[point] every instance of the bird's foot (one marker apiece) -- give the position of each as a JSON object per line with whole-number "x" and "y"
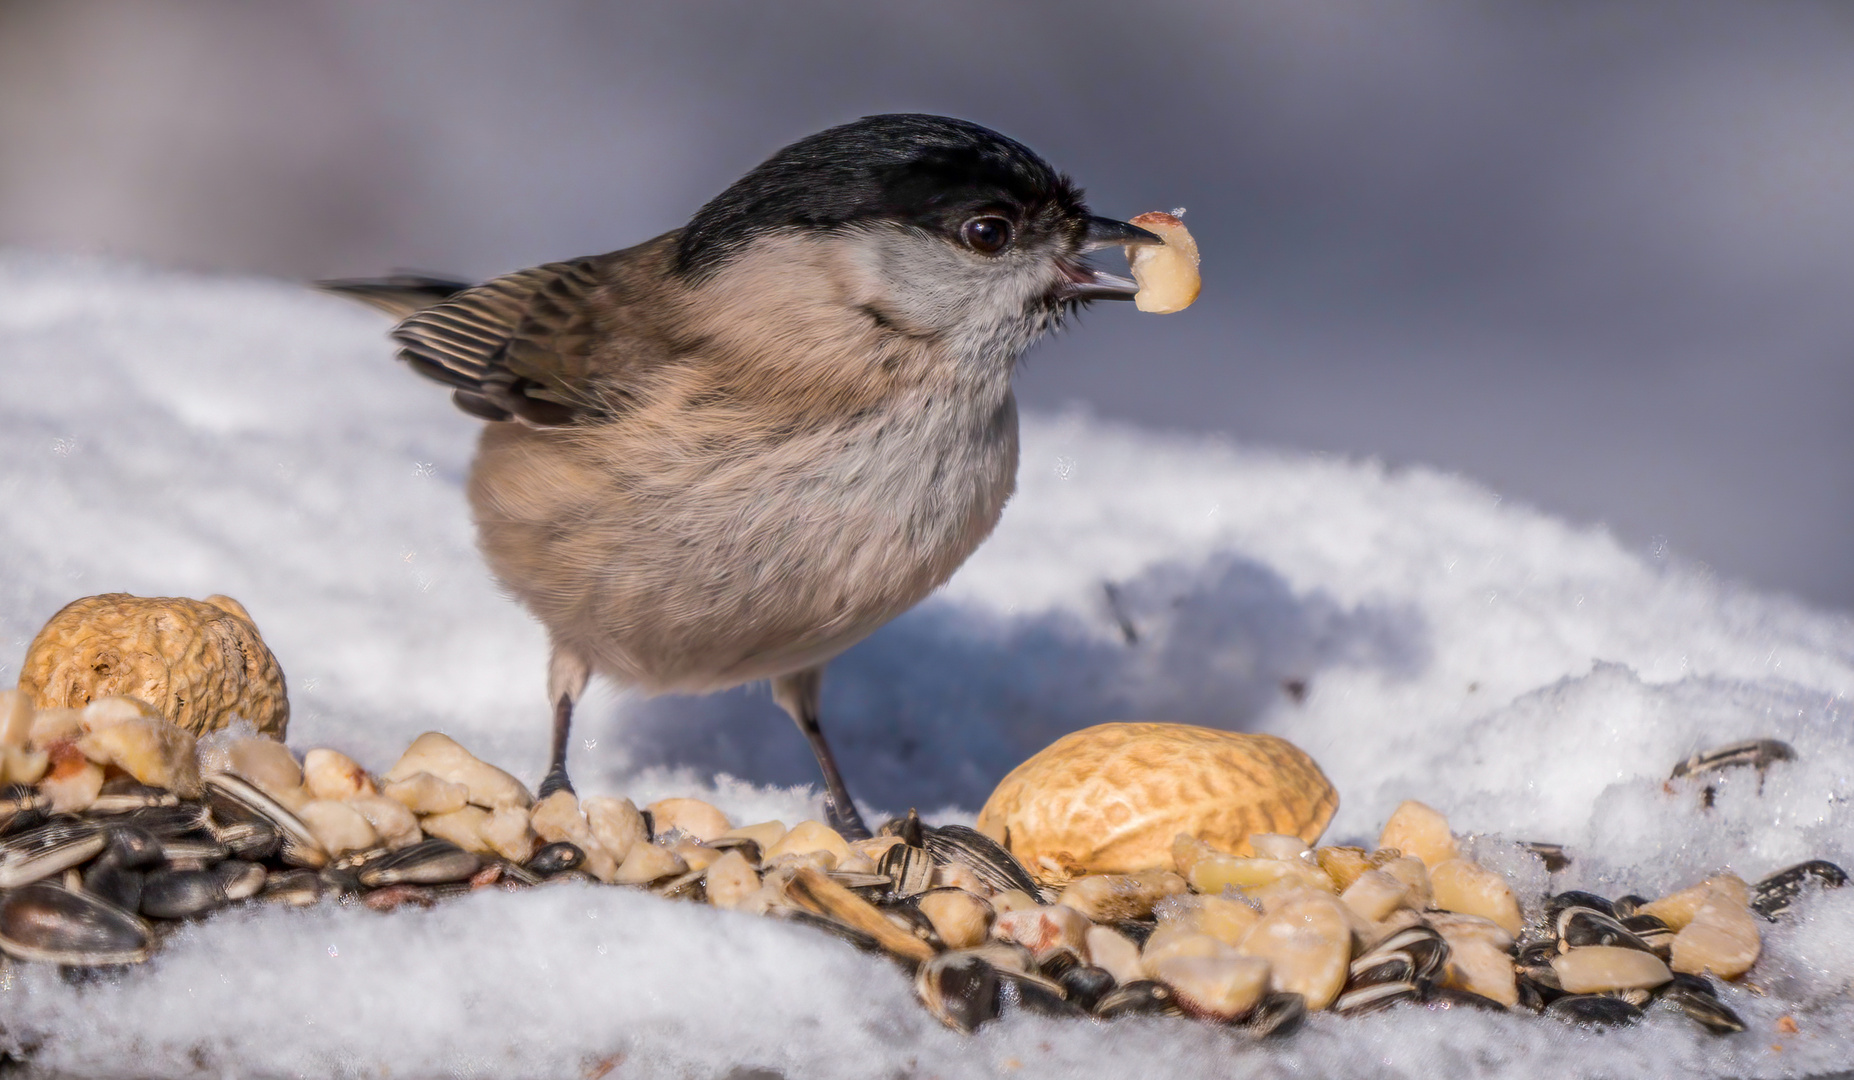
{"x": 844, "y": 819}
{"x": 555, "y": 780}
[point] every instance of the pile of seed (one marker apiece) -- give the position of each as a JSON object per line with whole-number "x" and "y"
{"x": 114, "y": 825}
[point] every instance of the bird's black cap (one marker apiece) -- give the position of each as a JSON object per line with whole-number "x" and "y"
{"x": 931, "y": 172}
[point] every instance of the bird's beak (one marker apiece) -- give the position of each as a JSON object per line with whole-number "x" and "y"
{"x": 1105, "y": 232}
{"x": 1086, "y": 283}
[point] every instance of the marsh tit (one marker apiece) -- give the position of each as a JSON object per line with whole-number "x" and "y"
{"x": 730, "y": 453}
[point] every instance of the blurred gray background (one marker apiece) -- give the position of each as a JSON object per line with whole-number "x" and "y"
{"x": 1597, "y": 255}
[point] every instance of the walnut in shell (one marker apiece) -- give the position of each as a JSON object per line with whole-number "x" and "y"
{"x": 199, "y": 662}
{"x": 1111, "y": 798}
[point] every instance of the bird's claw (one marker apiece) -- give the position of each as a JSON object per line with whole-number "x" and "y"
{"x": 847, "y": 823}
{"x": 555, "y": 780}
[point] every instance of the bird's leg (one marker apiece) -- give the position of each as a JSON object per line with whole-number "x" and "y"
{"x": 567, "y": 673}
{"x": 798, "y": 695}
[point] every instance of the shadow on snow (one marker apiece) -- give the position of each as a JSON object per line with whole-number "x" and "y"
{"x": 935, "y": 708}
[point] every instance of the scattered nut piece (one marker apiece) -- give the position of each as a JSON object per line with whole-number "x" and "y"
{"x": 557, "y": 818}
{"x": 15, "y": 717}
{"x": 1417, "y": 829}
{"x": 396, "y": 825}
{"x": 1188, "y": 850}
{"x": 560, "y": 817}
{"x": 1215, "y": 987}
{"x": 1214, "y": 874}
{"x": 337, "y": 827}
{"x": 856, "y": 863}
{"x": 148, "y": 748}
{"x": 1227, "y": 920}
{"x": 600, "y": 863}
{"x": 1277, "y": 846}
{"x": 53, "y": 726}
{"x": 647, "y": 863}
{"x": 1456, "y": 927}
{"x": 769, "y": 897}
{"x": 1173, "y": 942}
{"x": 961, "y": 919}
{"x": 267, "y": 763}
{"x": 1463, "y": 886}
{"x": 615, "y": 823}
{"x": 463, "y": 827}
{"x": 440, "y": 755}
{"x": 1677, "y": 909}
{"x": 793, "y": 861}
{"x": 24, "y": 766}
{"x": 960, "y": 876}
{"x": 696, "y": 856}
{"x": 1594, "y": 969}
{"x": 872, "y": 849}
{"x": 730, "y": 880}
{"x": 1722, "y": 937}
{"x": 1009, "y": 900}
{"x": 1276, "y": 893}
{"x": 107, "y": 711}
{"x": 331, "y": 774}
{"x": 1478, "y": 957}
{"x": 1114, "y": 952}
{"x": 765, "y": 834}
{"x": 72, "y": 780}
{"x": 1374, "y": 894}
{"x": 1045, "y": 930}
{"x": 1308, "y": 945}
{"x": 1343, "y": 864}
{"x": 809, "y": 836}
{"x": 423, "y": 793}
{"x": 1410, "y": 870}
{"x": 692, "y": 816}
{"x": 509, "y": 834}
{"x": 1109, "y": 898}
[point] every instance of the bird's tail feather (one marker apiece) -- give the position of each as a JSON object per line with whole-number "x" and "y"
{"x": 399, "y": 295}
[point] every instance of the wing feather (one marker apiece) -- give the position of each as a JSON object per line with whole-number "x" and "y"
{"x": 519, "y": 346}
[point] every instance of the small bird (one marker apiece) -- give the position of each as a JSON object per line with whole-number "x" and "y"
{"x": 730, "y": 453}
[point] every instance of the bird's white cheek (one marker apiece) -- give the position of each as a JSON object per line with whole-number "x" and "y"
{"x": 962, "y": 301}
{"x": 933, "y": 286}
{"x": 984, "y": 311}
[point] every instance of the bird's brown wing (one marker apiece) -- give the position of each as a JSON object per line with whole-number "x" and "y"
{"x": 520, "y": 347}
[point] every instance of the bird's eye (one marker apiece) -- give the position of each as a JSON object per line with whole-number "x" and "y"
{"x": 986, "y": 235}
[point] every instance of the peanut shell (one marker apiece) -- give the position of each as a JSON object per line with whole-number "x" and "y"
{"x": 1111, "y": 799}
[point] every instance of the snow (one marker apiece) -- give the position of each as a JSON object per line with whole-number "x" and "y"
{"x": 172, "y": 435}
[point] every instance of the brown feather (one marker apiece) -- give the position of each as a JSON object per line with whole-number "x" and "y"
{"x": 786, "y": 473}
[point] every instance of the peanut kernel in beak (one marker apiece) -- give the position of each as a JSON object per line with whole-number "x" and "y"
{"x": 1167, "y": 275}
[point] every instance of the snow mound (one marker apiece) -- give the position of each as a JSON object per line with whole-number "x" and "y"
{"x": 172, "y": 435}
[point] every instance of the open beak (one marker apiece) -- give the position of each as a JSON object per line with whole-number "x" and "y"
{"x": 1105, "y": 232}
{"x": 1083, "y": 282}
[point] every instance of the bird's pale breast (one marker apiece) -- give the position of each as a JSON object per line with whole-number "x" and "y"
{"x": 682, "y": 551}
